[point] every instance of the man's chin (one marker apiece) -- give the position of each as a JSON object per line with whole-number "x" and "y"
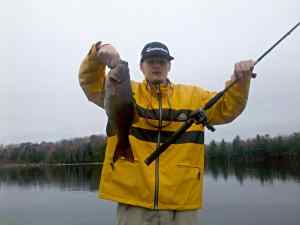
{"x": 158, "y": 81}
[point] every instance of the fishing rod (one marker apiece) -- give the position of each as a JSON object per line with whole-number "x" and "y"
{"x": 199, "y": 116}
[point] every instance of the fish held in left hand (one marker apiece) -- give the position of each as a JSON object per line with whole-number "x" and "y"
{"x": 119, "y": 107}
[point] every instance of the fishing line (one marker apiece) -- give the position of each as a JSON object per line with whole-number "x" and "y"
{"x": 199, "y": 116}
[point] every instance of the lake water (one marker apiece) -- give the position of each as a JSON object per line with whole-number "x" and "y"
{"x": 68, "y": 196}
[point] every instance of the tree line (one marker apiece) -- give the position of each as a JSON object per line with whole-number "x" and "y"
{"x": 262, "y": 148}
{"x": 92, "y": 149}
{"x": 77, "y": 150}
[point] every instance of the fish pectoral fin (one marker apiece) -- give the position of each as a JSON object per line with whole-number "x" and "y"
{"x": 110, "y": 126}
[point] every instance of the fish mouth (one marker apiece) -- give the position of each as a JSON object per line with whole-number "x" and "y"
{"x": 114, "y": 79}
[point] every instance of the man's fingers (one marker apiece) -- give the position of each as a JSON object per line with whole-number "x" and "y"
{"x": 244, "y": 66}
{"x": 243, "y": 70}
{"x": 108, "y": 55}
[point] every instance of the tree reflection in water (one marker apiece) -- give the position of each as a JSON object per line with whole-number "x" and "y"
{"x": 265, "y": 173}
{"x": 87, "y": 177}
{"x": 64, "y": 177}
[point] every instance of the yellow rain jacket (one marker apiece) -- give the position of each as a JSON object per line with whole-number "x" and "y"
{"x": 175, "y": 180}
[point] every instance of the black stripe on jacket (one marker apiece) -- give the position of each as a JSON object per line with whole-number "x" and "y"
{"x": 167, "y": 114}
{"x": 196, "y": 137}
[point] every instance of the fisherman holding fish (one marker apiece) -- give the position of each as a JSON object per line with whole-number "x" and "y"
{"x": 142, "y": 116}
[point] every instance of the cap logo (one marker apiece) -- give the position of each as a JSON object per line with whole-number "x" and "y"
{"x": 157, "y": 49}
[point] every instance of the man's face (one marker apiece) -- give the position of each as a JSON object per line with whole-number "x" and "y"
{"x": 155, "y": 69}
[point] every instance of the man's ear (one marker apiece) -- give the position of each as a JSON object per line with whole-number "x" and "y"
{"x": 141, "y": 67}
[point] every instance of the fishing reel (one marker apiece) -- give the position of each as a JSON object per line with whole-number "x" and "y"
{"x": 199, "y": 116}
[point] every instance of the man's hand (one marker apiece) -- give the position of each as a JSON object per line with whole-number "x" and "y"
{"x": 107, "y": 55}
{"x": 243, "y": 70}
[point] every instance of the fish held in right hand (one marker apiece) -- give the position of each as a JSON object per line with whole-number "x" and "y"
{"x": 119, "y": 107}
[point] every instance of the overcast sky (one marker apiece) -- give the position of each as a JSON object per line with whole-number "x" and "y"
{"x": 43, "y": 43}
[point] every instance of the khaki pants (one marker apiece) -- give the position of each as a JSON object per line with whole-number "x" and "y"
{"x": 132, "y": 215}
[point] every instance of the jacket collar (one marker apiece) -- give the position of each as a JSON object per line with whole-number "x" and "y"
{"x": 164, "y": 88}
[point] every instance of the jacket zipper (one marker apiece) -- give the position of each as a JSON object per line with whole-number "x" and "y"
{"x": 157, "y": 145}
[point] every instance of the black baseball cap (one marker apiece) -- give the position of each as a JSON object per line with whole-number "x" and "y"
{"x": 156, "y": 49}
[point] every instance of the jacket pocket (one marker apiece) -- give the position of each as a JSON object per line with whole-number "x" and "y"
{"x": 188, "y": 189}
{"x": 189, "y": 171}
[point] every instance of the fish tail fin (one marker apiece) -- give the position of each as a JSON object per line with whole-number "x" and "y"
{"x": 123, "y": 149}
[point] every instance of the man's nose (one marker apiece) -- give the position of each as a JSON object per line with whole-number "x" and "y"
{"x": 156, "y": 64}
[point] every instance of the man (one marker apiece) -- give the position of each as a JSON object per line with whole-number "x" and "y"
{"x": 169, "y": 191}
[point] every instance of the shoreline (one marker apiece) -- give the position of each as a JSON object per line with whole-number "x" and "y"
{"x": 28, "y": 165}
